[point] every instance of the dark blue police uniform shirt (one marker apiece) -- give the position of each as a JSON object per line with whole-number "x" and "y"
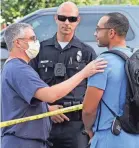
{"x": 51, "y": 53}
{"x": 19, "y": 84}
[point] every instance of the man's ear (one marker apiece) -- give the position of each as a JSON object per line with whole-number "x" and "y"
{"x": 78, "y": 20}
{"x": 16, "y": 43}
{"x": 112, "y": 33}
{"x": 55, "y": 17}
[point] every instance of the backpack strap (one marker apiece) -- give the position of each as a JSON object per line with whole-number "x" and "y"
{"x": 114, "y": 114}
{"x": 119, "y": 53}
{"x": 125, "y": 58}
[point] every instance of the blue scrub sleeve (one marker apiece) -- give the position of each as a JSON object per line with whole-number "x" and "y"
{"x": 26, "y": 82}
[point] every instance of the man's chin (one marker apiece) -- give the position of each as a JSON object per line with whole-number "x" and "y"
{"x": 66, "y": 33}
{"x": 101, "y": 45}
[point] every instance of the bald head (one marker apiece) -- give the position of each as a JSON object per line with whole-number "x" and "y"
{"x": 68, "y": 7}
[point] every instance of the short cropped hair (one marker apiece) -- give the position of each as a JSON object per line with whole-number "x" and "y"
{"x": 118, "y": 22}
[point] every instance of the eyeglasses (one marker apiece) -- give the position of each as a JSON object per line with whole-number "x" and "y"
{"x": 63, "y": 18}
{"x": 32, "y": 38}
{"x": 98, "y": 29}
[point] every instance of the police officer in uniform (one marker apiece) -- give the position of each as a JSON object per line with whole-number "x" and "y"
{"x": 61, "y": 57}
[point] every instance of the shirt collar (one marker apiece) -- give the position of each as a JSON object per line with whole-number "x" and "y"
{"x": 74, "y": 42}
{"x": 126, "y": 50}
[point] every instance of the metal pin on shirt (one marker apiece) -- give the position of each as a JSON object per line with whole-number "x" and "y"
{"x": 70, "y": 61}
{"x": 46, "y": 69}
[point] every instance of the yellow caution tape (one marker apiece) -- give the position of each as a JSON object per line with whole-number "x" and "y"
{"x": 39, "y": 116}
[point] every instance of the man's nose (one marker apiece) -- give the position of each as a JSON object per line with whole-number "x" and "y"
{"x": 95, "y": 33}
{"x": 67, "y": 21}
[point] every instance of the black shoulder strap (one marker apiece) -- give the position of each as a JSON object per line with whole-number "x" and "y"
{"x": 119, "y": 53}
{"x": 114, "y": 114}
{"x": 125, "y": 57}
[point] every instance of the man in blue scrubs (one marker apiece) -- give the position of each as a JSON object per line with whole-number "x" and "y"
{"x": 110, "y": 86}
{"x": 25, "y": 94}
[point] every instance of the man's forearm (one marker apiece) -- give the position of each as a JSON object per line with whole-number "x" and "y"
{"x": 88, "y": 120}
{"x": 58, "y": 91}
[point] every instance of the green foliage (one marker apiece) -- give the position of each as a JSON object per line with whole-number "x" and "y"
{"x": 54, "y": 3}
{"x": 135, "y": 2}
{"x": 131, "y": 2}
{"x": 13, "y": 9}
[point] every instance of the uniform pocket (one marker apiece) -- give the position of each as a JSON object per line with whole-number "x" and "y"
{"x": 72, "y": 69}
{"x": 46, "y": 71}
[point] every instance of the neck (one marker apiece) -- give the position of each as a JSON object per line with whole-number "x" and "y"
{"x": 120, "y": 43}
{"x": 64, "y": 38}
{"x": 13, "y": 55}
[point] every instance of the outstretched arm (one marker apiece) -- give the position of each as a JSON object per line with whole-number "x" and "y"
{"x": 53, "y": 93}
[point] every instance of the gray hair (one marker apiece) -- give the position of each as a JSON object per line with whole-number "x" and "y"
{"x": 14, "y": 32}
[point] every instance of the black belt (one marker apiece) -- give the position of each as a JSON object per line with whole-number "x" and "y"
{"x": 70, "y": 103}
{"x": 73, "y": 116}
{"x": 76, "y": 115}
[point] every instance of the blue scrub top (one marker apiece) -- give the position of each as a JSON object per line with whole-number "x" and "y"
{"x": 19, "y": 84}
{"x": 113, "y": 81}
